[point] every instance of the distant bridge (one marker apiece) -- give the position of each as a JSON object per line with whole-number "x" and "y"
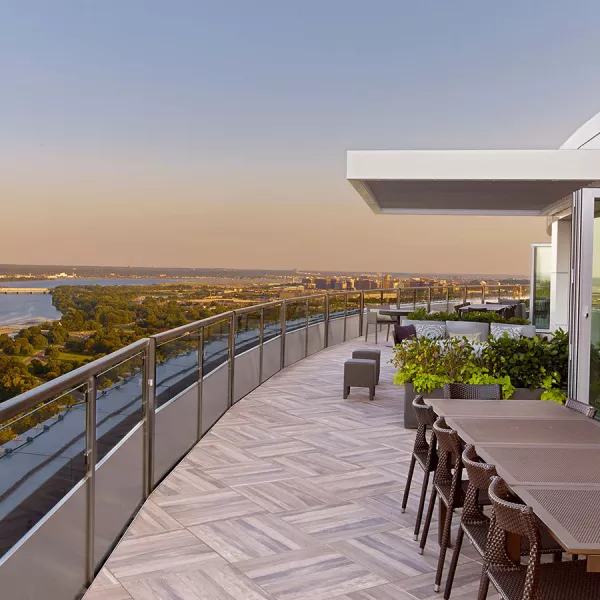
{"x": 32, "y": 290}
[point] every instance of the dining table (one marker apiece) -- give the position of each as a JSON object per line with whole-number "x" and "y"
{"x": 397, "y": 313}
{"x": 547, "y": 454}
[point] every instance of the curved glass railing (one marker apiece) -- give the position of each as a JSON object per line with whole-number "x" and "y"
{"x": 81, "y": 453}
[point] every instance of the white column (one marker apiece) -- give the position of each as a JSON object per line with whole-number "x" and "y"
{"x": 560, "y": 274}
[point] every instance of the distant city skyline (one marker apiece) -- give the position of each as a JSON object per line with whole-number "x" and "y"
{"x": 163, "y": 134}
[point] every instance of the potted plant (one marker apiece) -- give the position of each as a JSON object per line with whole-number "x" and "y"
{"x": 425, "y": 365}
{"x": 526, "y": 368}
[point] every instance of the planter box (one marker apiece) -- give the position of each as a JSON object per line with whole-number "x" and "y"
{"x": 410, "y": 419}
{"x": 527, "y": 394}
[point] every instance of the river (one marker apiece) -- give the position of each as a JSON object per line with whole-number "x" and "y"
{"x": 25, "y": 310}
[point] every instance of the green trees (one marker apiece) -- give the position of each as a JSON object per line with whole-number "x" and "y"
{"x": 14, "y": 377}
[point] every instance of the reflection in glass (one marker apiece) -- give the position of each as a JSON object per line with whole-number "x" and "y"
{"x": 295, "y": 317}
{"x": 272, "y": 322}
{"x": 247, "y": 332}
{"x": 542, "y": 266}
{"x": 119, "y": 402}
{"x": 216, "y": 345}
{"x": 595, "y": 314}
{"x": 316, "y": 308}
{"x": 41, "y": 460}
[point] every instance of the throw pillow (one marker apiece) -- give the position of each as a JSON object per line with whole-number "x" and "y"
{"x": 512, "y": 331}
{"x": 472, "y": 338}
{"x": 403, "y": 333}
{"x": 432, "y": 331}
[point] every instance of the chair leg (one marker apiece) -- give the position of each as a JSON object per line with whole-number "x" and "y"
{"x": 443, "y": 548}
{"x": 346, "y": 391}
{"x": 484, "y": 584}
{"x": 367, "y": 332}
{"x": 387, "y": 339}
{"x": 411, "y": 470}
{"x": 557, "y": 557}
{"x": 428, "y": 520}
{"x": 376, "y": 328}
{"x": 454, "y": 563}
{"x": 421, "y": 505}
{"x": 372, "y": 392}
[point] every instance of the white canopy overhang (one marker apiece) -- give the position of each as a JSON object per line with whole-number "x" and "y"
{"x": 471, "y": 182}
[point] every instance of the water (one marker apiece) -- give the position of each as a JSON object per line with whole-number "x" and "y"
{"x": 24, "y": 310}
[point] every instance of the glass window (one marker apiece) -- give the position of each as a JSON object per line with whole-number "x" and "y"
{"x": 540, "y": 286}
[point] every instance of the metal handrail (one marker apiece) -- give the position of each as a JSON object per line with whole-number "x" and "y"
{"x": 19, "y": 404}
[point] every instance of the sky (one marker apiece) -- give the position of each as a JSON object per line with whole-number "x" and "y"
{"x": 214, "y": 134}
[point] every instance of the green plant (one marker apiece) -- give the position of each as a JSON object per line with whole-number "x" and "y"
{"x": 527, "y": 361}
{"x": 428, "y": 364}
{"x": 421, "y": 314}
{"x": 480, "y": 376}
{"x": 552, "y": 391}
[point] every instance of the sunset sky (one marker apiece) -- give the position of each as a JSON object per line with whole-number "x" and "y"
{"x": 214, "y": 134}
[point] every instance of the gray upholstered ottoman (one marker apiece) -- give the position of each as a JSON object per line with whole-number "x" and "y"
{"x": 370, "y": 355}
{"x": 360, "y": 372}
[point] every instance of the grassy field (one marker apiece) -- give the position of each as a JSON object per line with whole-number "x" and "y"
{"x": 72, "y": 356}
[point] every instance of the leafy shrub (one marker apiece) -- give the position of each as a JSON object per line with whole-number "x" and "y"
{"x": 421, "y": 314}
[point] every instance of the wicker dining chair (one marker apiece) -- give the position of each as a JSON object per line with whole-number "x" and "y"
{"x": 535, "y": 580}
{"x": 581, "y": 407}
{"x": 425, "y": 453}
{"x": 469, "y": 391}
{"x": 475, "y": 523}
{"x": 448, "y": 485}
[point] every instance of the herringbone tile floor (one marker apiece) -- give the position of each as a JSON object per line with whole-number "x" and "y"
{"x": 294, "y": 495}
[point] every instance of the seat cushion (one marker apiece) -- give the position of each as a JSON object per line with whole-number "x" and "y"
{"x": 433, "y": 330}
{"x": 512, "y": 331}
{"x": 468, "y": 328}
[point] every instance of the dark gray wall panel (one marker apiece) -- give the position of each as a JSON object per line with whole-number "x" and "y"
{"x": 214, "y": 396}
{"x": 295, "y": 346}
{"x": 271, "y": 358}
{"x": 49, "y": 565}
{"x": 119, "y": 491}
{"x": 246, "y": 373}
{"x": 176, "y": 431}
{"x": 316, "y": 338}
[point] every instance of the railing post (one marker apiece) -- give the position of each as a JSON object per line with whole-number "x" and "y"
{"x": 465, "y": 295}
{"x": 362, "y": 310}
{"x": 326, "y": 343}
{"x": 90, "y": 473}
{"x": 283, "y": 328}
{"x": 499, "y": 292}
{"x": 483, "y": 294}
{"x": 415, "y": 299}
{"x": 149, "y": 411}
{"x": 306, "y": 330}
{"x": 261, "y": 337}
{"x": 447, "y": 299}
{"x": 398, "y": 298}
{"x": 381, "y": 298}
{"x": 200, "y": 380}
{"x": 231, "y": 356}
{"x": 428, "y": 299}
{"x": 345, "y": 313}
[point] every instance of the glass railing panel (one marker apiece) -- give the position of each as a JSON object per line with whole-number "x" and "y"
{"x": 390, "y": 299}
{"x": 176, "y": 366}
{"x": 372, "y": 299}
{"x": 119, "y": 403}
{"x": 420, "y": 297}
{"x": 336, "y": 306}
{"x": 216, "y": 345}
{"x": 316, "y": 310}
{"x": 295, "y": 317}
{"x": 438, "y": 299}
{"x": 474, "y": 294}
{"x": 247, "y": 331}
{"x": 405, "y": 298}
{"x": 272, "y": 322}
{"x": 41, "y": 460}
{"x": 353, "y": 304}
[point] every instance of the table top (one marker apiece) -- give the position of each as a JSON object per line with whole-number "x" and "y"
{"x": 514, "y": 430}
{"x": 546, "y": 453}
{"x": 502, "y": 408}
{"x": 570, "y": 513}
{"x": 395, "y": 312}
